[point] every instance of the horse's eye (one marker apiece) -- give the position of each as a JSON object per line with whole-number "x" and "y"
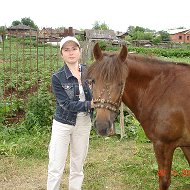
{"x": 91, "y": 81}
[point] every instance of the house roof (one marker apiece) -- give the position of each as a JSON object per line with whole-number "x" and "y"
{"x": 20, "y": 27}
{"x": 100, "y": 34}
{"x": 188, "y": 31}
{"x": 48, "y": 30}
{"x": 78, "y": 32}
{"x": 176, "y": 31}
{"x": 119, "y": 34}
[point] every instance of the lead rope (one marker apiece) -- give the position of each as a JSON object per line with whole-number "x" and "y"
{"x": 122, "y": 126}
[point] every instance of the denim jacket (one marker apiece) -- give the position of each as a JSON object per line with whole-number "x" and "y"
{"x": 66, "y": 90}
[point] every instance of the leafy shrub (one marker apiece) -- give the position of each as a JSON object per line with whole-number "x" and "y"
{"x": 3, "y": 110}
{"x": 178, "y": 52}
{"x": 133, "y": 129}
{"x": 103, "y": 45}
{"x": 39, "y": 110}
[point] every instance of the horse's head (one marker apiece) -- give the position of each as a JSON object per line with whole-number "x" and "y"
{"x": 108, "y": 74}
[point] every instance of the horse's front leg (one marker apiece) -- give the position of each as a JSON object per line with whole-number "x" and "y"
{"x": 164, "y": 155}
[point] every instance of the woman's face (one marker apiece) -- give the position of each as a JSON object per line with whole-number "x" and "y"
{"x": 70, "y": 52}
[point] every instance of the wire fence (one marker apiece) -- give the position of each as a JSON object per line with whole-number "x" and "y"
{"x": 27, "y": 62}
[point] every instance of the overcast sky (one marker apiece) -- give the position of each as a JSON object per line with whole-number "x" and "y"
{"x": 82, "y": 14}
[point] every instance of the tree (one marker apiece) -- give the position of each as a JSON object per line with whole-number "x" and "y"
{"x": 140, "y": 29}
{"x": 165, "y": 36}
{"x": 157, "y": 40}
{"x": 130, "y": 30}
{"x": 28, "y": 22}
{"x": 25, "y": 21}
{"x": 135, "y": 32}
{"x": 100, "y": 26}
{"x": 140, "y": 33}
{"x": 16, "y": 22}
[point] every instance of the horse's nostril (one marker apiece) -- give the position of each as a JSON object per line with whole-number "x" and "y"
{"x": 103, "y": 132}
{"x": 102, "y": 128}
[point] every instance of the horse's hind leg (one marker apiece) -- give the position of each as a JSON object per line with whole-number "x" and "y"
{"x": 186, "y": 151}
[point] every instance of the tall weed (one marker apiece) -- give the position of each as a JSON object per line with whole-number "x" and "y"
{"x": 40, "y": 110}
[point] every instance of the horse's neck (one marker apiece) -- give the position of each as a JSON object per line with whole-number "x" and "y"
{"x": 139, "y": 84}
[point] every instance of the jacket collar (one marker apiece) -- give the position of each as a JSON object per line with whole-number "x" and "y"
{"x": 68, "y": 73}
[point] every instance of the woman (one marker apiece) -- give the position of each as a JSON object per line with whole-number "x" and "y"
{"x": 72, "y": 123}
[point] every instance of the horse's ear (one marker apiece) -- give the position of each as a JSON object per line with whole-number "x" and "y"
{"x": 97, "y": 52}
{"x": 123, "y": 53}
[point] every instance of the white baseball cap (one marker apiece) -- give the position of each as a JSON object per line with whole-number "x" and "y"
{"x": 68, "y": 38}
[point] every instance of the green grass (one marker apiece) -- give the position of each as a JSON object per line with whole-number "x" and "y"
{"x": 115, "y": 164}
{"x": 111, "y": 163}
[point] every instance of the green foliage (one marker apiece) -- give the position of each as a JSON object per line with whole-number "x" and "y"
{"x": 40, "y": 110}
{"x": 161, "y": 52}
{"x": 2, "y": 30}
{"x": 103, "y": 45}
{"x": 4, "y": 108}
{"x": 25, "y": 21}
{"x": 28, "y": 22}
{"x": 30, "y": 137}
{"x": 18, "y": 141}
{"x": 165, "y": 36}
{"x": 16, "y": 22}
{"x": 140, "y": 33}
{"x": 133, "y": 129}
{"x": 10, "y": 108}
{"x": 156, "y": 40}
{"x": 139, "y": 29}
{"x": 100, "y": 26}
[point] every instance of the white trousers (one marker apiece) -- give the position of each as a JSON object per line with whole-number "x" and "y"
{"x": 62, "y": 136}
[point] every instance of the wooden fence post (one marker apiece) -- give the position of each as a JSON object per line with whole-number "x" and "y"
{"x": 122, "y": 126}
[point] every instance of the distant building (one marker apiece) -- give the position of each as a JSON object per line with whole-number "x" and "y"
{"x": 145, "y": 43}
{"x": 92, "y": 35}
{"x": 180, "y": 35}
{"x": 21, "y": 30}
{"x": 55, "y": 35}
{"x": 97, "y": 35}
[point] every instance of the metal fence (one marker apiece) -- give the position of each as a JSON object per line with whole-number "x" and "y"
{"x": 27, "y": 63}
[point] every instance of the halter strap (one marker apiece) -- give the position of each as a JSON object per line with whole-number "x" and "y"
{"x": 108, "y": 104}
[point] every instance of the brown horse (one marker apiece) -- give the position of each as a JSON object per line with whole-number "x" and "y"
{"x": 156, "y": 91}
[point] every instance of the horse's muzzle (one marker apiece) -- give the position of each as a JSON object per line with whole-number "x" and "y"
{"x": 104, "y": 128}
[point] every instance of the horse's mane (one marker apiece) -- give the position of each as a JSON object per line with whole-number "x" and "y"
{"x": 108, "y": 69}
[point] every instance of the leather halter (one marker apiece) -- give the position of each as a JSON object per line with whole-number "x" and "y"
{"x": 108, "y": 104}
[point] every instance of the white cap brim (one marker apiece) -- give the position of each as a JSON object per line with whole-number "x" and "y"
{"x": 68, "y": 38}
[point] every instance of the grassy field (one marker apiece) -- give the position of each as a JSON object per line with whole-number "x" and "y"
{"x": 112, "y": 164}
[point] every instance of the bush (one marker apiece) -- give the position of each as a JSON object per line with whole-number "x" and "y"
{"x": 133, "y": 129}
{"x": 40, "y": 110}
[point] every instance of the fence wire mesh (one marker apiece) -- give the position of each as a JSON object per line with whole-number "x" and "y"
{"x": 27, "y": 62}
